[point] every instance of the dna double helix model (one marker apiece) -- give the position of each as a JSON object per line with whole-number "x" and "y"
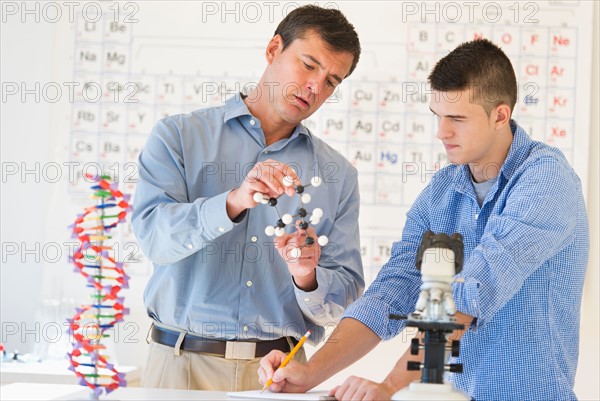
{"x": 105, "y": 276}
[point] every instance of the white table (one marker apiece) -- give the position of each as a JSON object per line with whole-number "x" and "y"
{"x": 41, "y": 391}
{"x": 53, "y": 372}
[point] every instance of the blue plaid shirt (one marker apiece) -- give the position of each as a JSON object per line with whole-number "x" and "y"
{"x": 526, "y": 252}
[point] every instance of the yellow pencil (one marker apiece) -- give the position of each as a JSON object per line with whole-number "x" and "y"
{"x": 288, "y": 358}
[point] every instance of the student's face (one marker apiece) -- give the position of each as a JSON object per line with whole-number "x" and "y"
{"x": 303, "y": 76}
{"x": 465, "y": 129}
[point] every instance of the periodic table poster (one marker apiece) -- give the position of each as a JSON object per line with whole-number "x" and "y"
{"x": 132, "y": 63}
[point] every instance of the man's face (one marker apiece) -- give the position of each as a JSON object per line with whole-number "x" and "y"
{"x": 303, "y": 76}
{"x": 464, "y": 128}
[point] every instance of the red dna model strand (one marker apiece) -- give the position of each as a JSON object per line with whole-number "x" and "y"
{"x": 106, "y": 277}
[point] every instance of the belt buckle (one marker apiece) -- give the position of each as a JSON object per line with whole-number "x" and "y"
{"x": 240, "y": 350}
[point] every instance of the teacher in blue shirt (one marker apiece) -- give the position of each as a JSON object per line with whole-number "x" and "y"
{"x": 223, "y": 294}
{"x": 519, "y": 207}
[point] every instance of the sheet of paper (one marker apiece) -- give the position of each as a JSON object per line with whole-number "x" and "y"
{"x": 267, "y": 395}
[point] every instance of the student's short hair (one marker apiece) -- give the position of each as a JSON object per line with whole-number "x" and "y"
{"x": 481, "y": 66}
{"x": 330, "y": 24}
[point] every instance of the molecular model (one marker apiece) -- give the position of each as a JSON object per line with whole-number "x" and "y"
{"x": 106, "y": 277}
{"x": 315, "y": 216}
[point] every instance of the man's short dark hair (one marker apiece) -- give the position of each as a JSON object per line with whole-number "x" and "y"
{"x": 330, "y": 24}
{"x": 481, "y": 66}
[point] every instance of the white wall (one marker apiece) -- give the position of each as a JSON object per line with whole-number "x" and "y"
{"x": 25, "y": 51}
{"x": 26, "y": 54}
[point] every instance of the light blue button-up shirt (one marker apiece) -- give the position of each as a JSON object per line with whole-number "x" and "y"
{"x": 221, "y": 279}
{"x": 526, "y": 253}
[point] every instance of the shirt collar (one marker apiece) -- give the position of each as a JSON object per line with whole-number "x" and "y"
{"x": 518, "y": 151}
{"x": 236, "y": 107}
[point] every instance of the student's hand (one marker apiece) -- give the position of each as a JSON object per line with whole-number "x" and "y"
{"x": 359, "y": 389}
{"x": 302, "y": 268}
{"x": 265, "y": 177}
{"x": 293, "y": 378}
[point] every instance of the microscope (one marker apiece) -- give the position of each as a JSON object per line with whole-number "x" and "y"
{"x": 439, "y": 258}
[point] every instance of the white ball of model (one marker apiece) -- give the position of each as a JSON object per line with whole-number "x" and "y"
{"x": 315, "y": 216}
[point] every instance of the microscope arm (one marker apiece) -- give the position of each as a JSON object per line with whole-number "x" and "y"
{"x": 400, "y": 377}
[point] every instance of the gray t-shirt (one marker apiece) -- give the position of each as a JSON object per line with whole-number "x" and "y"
{"x": 482, "y": 188}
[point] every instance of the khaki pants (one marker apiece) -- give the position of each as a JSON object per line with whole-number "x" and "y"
{"x": 198, "y": 371}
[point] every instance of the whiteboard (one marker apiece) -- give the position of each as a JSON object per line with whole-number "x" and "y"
{"x": 174, "y": 48}
{"x": 141, "y": 61}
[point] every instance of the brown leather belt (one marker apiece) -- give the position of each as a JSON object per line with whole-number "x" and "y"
{"x": 225, "y": 349}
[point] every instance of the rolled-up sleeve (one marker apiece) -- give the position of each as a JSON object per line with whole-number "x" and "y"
{"x": 339, "y": 272}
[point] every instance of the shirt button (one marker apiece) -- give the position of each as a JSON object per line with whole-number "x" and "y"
{"x": 189, "y": 245}
{"x": 245, "y": 328}
{"x": 249, "y": 283}
{"x": 221, "y": 230}
{"x": 252, "y": 122}
{"x": 476, "y": 216}
{"x": 306, "y": 299}
{"x": 254, "y": 239}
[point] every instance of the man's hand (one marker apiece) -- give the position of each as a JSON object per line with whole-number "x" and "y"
{"x": 292, "y": 378}
{"x": 359, "y": 389}
{"x": 265, "y": 177}
{"x": 302, "y": 268}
